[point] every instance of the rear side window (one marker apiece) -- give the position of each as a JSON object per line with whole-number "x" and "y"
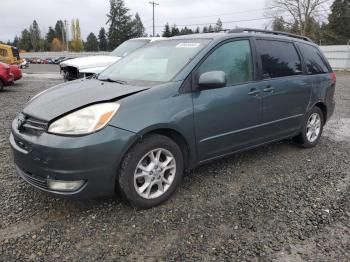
{"x": 234, "y": 58}
{"x": 3, "y": 52}
{"x": 279, "y": 59}
{"x": 314, "y": 61}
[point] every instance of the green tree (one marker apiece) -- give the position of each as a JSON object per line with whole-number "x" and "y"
{"x": 35, "y": 36}
{"x": 174, "y": 30}
{"x": 218, "y": 26}
{"x": 76, "y": 43}
{"x": 338, "y": 29}
{"x": 25, "y": 42}
{"x": 138, "y": 30}
{"x": 210, "y": 29}
{"x": 102, "y": 38}
{"x": 197, "y": 31}
{"x": 60, "y": 31}
{"x": 205, "y": 29}
{"x": 119, "y": 22}
{"x": 51, "y": 34}
{"x": 278, "y": 24}
{"x": 91, "y": 43}
{"x": 166, "y": 32}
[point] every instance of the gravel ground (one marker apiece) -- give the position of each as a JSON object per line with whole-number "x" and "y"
{"x": 277, "y": 202}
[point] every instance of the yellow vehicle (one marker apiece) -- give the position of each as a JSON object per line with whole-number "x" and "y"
{"x": 9, "y": 55}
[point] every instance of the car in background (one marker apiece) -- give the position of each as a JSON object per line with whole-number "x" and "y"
{"x": 87, "y": 66}
{"x": 6, "y": 77}
{"x": 24, "y": 64}
{"x": 59, "y": 60}
{"x": 16, "y": 71}
{"x": 9, "y": 55}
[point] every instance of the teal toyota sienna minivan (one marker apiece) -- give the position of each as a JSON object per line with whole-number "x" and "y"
{"x": 171, "y": 106}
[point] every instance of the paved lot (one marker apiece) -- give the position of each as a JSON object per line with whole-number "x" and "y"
{"x": 278, "y": 202}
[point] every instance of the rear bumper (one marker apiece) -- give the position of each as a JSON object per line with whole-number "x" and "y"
{"x": 94, "y": 159}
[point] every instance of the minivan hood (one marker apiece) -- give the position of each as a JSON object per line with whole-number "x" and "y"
{"x": 90, "y": 61}
{"x": 69, "y": 96}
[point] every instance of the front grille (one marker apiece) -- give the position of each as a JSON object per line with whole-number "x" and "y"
{"x": 35, "y": 180}
{"x": 33, "y": 125}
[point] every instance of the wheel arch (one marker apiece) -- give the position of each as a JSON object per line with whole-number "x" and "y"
{"x": 178, "y": 138}
{"x": 323, "y": 108}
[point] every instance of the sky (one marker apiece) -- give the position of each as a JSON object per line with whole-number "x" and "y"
{"x": 17, "y": 15}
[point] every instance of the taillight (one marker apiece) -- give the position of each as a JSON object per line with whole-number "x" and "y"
{"x": 333, "y": 77}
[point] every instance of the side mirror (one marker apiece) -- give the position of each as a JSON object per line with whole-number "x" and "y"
{"x": 212, "y": 79}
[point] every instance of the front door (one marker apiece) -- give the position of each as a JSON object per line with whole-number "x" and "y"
{"x": 227, "y": 119}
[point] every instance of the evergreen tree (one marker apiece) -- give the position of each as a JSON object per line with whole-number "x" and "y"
{"x": 103, "y": 45}
{"x": 35, "y": 36}
{"x": 60, "y": 31}
{"x": 198, "y": 30}
{"x": 218, "y": 26}
{"x": 138, "y": 30}
{"x": 210, "y": 29}
{"x": 119, "y": 23}
{"x": 278, "y": 24}
{"x": 51, "y": 34}
{"x": 339, "y": 22}
{"x": 25, "y": 42}
{"x": 91, "y": 43}
{"x": 205, "y": 29}
{"x": 174, "y": 30}
{"x": 167, "y": 32}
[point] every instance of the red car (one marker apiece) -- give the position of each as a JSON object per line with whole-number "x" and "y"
{"x": 6, "y": 77}
{"x": 16, "y": 71}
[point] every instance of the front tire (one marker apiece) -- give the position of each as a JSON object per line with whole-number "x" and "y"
{"x": 312, "y": 128}
{"x": 151, "y": 171}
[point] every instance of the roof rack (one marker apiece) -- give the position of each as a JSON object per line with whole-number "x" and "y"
{"x": 251, "y": 30}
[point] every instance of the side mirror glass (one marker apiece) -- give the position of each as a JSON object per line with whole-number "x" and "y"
{"x": 212, "y": 79}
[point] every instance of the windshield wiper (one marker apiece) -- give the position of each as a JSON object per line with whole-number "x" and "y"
{"x": 113, "y": 80}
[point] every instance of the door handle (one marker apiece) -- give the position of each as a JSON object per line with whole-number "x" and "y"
{"x": 269, "y": 89}
{"x": 254, "y": 92}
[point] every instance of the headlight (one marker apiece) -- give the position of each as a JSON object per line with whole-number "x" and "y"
{"x": 84, "y": 121}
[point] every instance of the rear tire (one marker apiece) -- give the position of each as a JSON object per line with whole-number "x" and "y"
{"x": 151, "y": 171}
{"x": 312, "y": 128}
{"x": 1, "y": 86}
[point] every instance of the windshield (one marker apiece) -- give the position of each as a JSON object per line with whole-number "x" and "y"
{"x": 128, "y": 47}
{"x": 158, "y": 62}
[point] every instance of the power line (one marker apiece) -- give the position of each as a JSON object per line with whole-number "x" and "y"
{"x": 227, "y": 22}
{"x": 221, "y": 14}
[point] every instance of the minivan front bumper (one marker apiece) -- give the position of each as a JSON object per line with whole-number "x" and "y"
{"x": 93, "y": 159}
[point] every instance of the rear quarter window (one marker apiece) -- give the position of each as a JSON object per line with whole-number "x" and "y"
{"x": 314, "y": 60}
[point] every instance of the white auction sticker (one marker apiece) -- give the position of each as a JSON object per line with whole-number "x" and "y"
{"x": 188, "y": 45}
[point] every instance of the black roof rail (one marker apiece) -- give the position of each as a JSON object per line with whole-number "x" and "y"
{"x": 251, "y": 30}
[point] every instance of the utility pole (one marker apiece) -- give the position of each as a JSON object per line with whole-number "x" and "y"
{"x": 153, "y": 5}
{"x": 66, "y": 26}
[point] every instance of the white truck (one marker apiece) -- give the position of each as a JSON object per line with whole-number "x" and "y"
{"x": 87, "y": 66}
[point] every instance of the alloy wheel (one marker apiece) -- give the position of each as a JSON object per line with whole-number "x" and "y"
{"x": 154, "y": 173}
{"x": 313, "y": 128}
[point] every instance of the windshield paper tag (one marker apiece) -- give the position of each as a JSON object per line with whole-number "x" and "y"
{"x": 188, "y": 45}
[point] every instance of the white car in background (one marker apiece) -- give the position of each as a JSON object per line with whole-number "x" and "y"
{"x": 90, "y": 65}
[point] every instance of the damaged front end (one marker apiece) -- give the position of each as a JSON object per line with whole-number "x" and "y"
{"x": 70, "y": 73}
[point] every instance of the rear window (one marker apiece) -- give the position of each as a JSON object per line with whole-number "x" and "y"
{"x": 279, "y": 59}
{"x": 314, "y": 60}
